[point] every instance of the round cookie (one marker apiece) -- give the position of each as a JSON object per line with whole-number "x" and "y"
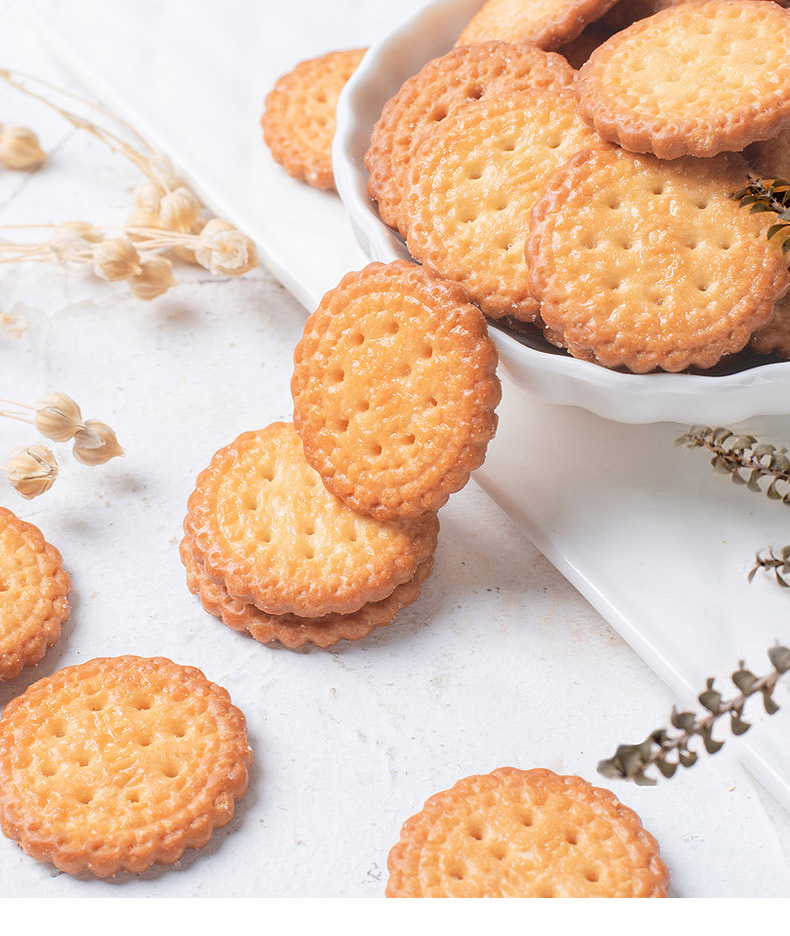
{"x": 263, "y": 524}
{"x": 697, "y": 79}
{"x": 299, "y": 118}
{"x": 525, "y": 833}
{"x": 290, "y": 630}
{"x": 33, "y": 594}
{"x": 120, "y": 763}
{"x": 394, "y": 390}
{"x": 547, "y": 23}
{"x": 464, "y": 74}
{"x": 472, "y": 185}
{"x": 648, "y": 264}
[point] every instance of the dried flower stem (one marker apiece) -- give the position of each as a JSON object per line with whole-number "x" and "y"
{"x": 667, "y": 752}
{"x": 780, "y": 565}
{"x": 735, "y": 453}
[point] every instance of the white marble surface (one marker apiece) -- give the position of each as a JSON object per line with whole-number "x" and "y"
{"x": 500, "y": 661}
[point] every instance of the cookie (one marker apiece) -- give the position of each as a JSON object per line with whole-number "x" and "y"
{"x": 290, "y": 630}
{"x": 525, "y": 833}
{"x": 472, "y": 185}
{"x": 547, "y": 23}
{"x": 464, "y": 74}
{"x": 120, "y": 763}
{"x": 394, "y": 390}
{"x": 299, "y": 118}
{"x": 774, "y": 338}
{"x": 696, "y": 79}
{"x": 650, "y": 264}
{"x": 33, "y": 595}
{"x": 262, "y": 523}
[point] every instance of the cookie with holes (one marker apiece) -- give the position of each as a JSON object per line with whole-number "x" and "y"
{"x": 464, "y": 74}
{"x": 650, "y": 264}
{"x": 290, "y": 630}
{"x": 299, "y": 118}
{"x": 697, "y": 79}
{"x": 34, "y": 592}
{"x": 472, "y": 185}
{"x": 120, "y": 763}
{"x": 547, "y": 23}
{"x": 395, "y": 390}
{"x": 264, "y": 526}
{"x": 525, "y": 833}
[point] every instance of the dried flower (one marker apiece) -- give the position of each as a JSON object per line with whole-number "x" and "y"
{"x": 96, "y": 443}
{"x": 84, "y": 230}
{"x": 58, "y": 417}
{"x": 226, "y": 250}
{"x": 32, "y": 471}
{"x": 780, "y": 565}
{"x": 768, "y": 195}
{"x": 148, "y": 195}
{"x": 142, "y": 218}
{"x": 735, "y": 453}
{"x": 13, "y": 326}
{"x": 20, "y": 149}
{"x": 154, "y": 279}
{"x": 667, "y": 752}
{"x": 116, "y": 259}
{"x": 179, "y": 210}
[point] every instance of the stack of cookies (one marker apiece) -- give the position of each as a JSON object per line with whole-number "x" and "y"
{"x": 323, "y": 530}
{"x": 598, "y": 205}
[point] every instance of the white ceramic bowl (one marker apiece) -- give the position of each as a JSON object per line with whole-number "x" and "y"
{"x": 727, "y": 394}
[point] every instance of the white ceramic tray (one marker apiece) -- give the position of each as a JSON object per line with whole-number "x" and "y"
{"x": 655, "y": 541}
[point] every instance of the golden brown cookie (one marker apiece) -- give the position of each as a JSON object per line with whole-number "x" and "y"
{"x": 547, "y": 23}
{"x": 774, "y": 338}
{"x": 290, "y": 630}
{"x": 525, "y": 833}
{"x": 464, "y": 74}
{"x": 120, "y": 763}
{"x": 299, "y": 118}
{"x": 263, "y": 524}
{"x": 649, "y": 264}
{"x": 394, "y": 390}
{"x": 471, "y": 187}
{"x": 33, "y": 594}
{"x": 696, "y": 79}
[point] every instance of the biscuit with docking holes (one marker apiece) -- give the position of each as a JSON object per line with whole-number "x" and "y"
{"x": 290, "y": 630}
{"x": 464, "y": 74}
{"x": 33, "y": 595}
{"x": 394, "y": 390}
{"x": 299, "y": 118}
{"x": 547, "y": 23}
{"x": 525, "y": 833}
{"x": 648, "y": 263}
{"x": 262, "y": 523}
{"x": 120, "y": 763}
{"x": 472, "y": 185}
{"x": 698, "y": 79}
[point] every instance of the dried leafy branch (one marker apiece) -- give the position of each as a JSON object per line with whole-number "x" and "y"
{"x": 769, "y": 195}
{"x": 666, "y": 751}
{"x": 746, "y": 460}
{"x": 779, "y": 564}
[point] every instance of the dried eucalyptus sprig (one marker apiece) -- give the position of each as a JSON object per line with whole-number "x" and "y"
{"x": 668, "y": 751}
{"x": 33, "y": 470}
{"x": 780, "y": 565}
{"x": 734, "y": 454}
{"x": 769, "y": 195}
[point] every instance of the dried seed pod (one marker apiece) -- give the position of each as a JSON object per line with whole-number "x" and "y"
{"x": 32, "y": 471}
{"x": 154, "y": 279}
{"x": 96, "y": 443}
{"x": 179, "y": 210}
{"x": 83, "y": 229}
{"x": 58, "y": 417}
{"x": 116, "y": 259}
{"x": 143, "y": 218}
{"x": 20, "y": 149}
{"x": 227, "y": 251}
{"x": 148, "y": 195}
{"x": 187, "y": 254}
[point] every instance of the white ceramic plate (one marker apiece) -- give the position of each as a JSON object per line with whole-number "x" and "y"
{"x": 726, "y": 394}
